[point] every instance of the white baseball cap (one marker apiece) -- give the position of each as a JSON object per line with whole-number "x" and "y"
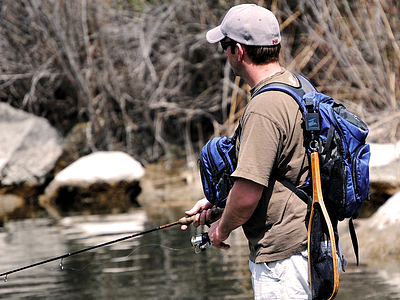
{"x": 247, "y": 24}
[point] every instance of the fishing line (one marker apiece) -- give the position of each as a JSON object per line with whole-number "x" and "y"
{"x": 161, "y": 246}
{"x": 62, "y": 266}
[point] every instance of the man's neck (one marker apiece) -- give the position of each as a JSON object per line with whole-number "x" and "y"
{"x": 256, "y": 73}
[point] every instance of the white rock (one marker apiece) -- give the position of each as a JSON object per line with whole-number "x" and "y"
{"x": 383, "y": 154}
{"x": 108, "y": 167}
{"x": 112, "y": 168}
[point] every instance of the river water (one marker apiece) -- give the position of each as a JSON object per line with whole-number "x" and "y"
{"x": 157, "y": 265}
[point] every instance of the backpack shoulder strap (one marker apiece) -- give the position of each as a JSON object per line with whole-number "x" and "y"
{"x": 303, "y": 194}
{"x": 296, "y": 92}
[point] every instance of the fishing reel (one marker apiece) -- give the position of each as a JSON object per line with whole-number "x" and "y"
{"x": 200, "y": 242}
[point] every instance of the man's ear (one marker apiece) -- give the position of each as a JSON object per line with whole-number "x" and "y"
{"x": 241, "y": 52}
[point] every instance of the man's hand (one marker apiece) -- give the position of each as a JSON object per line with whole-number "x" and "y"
{"x": 202, "y": 210}
{"x": 217, "y": 238}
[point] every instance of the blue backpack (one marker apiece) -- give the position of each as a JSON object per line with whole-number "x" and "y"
{"x": 344, "y": 153}
{"x": 217, "y": 162}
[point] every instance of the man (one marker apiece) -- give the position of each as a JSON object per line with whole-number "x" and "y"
{"x": 270, "y": 147}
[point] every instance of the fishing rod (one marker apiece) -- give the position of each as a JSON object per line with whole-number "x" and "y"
{"x": 187, "y": 220}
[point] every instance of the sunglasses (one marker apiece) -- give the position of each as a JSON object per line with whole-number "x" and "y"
{"x": 226, "y": 44}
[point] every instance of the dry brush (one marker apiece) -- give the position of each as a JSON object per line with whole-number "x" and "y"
{"x": 142, "y": 77}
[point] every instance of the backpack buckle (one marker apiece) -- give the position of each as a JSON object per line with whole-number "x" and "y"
{"x": 314, "y": 145}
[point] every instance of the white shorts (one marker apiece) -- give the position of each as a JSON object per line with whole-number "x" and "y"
{"x": 282, "y": 279}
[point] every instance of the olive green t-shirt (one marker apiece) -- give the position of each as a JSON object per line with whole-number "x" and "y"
{"x": 272, "y": 142}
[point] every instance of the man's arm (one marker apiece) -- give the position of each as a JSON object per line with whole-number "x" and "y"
{"x": 242, "y": 201}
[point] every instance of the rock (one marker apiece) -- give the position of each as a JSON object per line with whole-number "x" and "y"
{"x": 29, "y": 150}
{"x": 385, "y": 167}
{"x": 384, "y": 176}
{"x": 378, "y": 235}
{"x": 100, "y": 182}
{"x": 30, "y": 147}
{"x": 10, "y": 203}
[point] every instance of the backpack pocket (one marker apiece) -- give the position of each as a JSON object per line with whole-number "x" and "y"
{"x": 217, "y": 161}
{"x": 360, "y": 170}
{"x": 352, "y": 128}
{"x": 334, "y": 183}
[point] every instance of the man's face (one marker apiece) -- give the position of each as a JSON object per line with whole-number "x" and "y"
{"x": 227, "y": 43}
{"x": 230, "y": 49}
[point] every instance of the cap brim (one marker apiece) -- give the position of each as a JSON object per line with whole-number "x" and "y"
{"x": 215, "y": 35}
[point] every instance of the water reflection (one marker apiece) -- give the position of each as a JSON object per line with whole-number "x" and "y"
{"x": 158, "y": 265}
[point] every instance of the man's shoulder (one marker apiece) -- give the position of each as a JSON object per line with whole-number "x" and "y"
{"x": 273, "y": 99}
{"x": 282, "y": 77}
{"x": 285, "y": 77}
